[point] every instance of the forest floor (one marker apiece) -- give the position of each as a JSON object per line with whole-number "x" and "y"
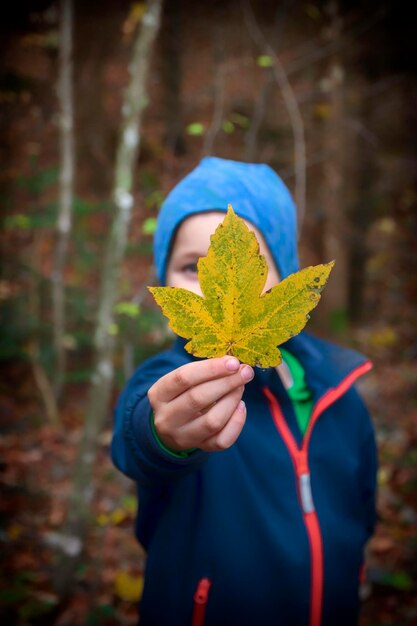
{"x": 36, "y": 467}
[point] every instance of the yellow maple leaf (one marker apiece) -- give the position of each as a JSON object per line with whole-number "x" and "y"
{"x": 234, "y": 316}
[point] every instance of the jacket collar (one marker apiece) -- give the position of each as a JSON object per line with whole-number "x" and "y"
{"x": 326, "y": 365}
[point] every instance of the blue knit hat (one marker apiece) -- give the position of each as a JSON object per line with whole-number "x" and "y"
{"x": 256, "y": 193}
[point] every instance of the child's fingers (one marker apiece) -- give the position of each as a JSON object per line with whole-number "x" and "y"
{"x": 209, "y": 424}
{"x": 197, "y": 400}
{"x": 229, "y": 434}
{"x": 175, "y": 383}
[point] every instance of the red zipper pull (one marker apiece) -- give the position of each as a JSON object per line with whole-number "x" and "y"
{"x": 202, "y": 591}
{"x": 200, "y": 601}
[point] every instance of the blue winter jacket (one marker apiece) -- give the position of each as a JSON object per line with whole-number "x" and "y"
{"x": 270, "y": 532}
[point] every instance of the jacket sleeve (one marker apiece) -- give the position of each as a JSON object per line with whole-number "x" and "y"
{"x": 135, "y": 449}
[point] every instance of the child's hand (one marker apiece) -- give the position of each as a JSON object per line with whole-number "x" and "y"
{"x": 198, "y": 405}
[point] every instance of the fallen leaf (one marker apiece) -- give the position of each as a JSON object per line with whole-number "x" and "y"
{"x": 234, "y": 316}
{"x": 14, "y": 531}
{"x": 381, "y": 544}
{"x": 117, "y": 516}
{"x": 128, "y": 587}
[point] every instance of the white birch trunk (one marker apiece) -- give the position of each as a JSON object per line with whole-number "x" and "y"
{"x": 135, "y": 100}
{"x": 66, "y": 189}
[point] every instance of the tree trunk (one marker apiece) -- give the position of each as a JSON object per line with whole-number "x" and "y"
{"x": 66, "y": 190}
{"x": 362, "y": 205}
{"x": 134, "y": 102}
{"x": 171, "y": 76}
{"x": 335, "y": 235}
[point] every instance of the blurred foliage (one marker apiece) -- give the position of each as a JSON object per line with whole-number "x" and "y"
{"x": 17, "y": 315}
{"x": 149, "y": 226}
{"x": 195, "y": 129}
{"x": 264, "y": 60}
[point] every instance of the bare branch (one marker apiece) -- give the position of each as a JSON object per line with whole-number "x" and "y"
{"x": 44, "y": 386}
{"x": 219, "y": 81}
{"x": 260, "y": 106}
{"x": 218, "y": 111}
{"x": 40, "y": 376}
{"x": 319, "y": 53}
{"x": 293, "y": 111}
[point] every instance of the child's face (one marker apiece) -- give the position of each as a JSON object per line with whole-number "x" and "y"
{"x": 192, "y": 241}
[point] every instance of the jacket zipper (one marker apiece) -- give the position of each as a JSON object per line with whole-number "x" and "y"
{"x": 299, "y": 457}
{"x": 200, "y": 601}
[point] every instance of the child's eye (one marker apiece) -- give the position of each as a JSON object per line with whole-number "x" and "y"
{"x": 190, "y": 267}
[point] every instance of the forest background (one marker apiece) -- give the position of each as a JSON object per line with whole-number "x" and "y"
{"x": 104, "y": 106}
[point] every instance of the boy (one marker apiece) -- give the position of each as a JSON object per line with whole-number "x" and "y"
{"x": 256, "y": 487}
